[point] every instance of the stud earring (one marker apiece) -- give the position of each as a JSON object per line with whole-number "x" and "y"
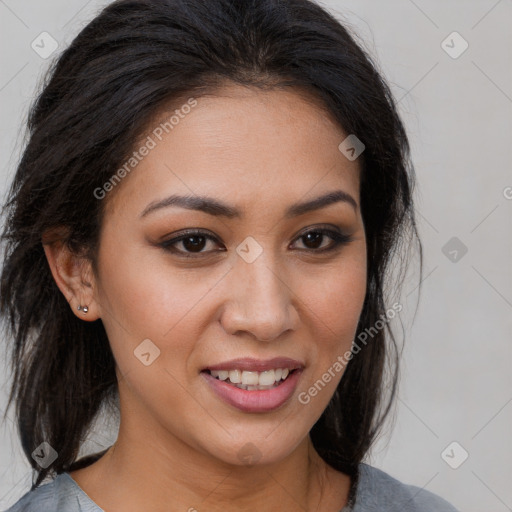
{"x": 83, "y": 308}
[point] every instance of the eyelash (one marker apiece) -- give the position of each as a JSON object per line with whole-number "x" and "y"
{"x": 339, "y": 239}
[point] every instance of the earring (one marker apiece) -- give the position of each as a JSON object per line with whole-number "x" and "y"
{"x": 84, "y": 308}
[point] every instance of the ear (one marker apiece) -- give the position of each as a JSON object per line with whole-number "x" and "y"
{"x": 73, "y": 275}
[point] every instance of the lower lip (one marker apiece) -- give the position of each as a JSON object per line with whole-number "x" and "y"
{"x": 257, "y": 400}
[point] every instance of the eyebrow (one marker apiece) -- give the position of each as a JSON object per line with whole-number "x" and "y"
{"x": 217, "y": 208}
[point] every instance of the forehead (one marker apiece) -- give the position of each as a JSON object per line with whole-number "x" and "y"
{"x": 242, "y": 142}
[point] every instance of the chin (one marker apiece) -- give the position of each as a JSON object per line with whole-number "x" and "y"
{"x": 250, "y": 450}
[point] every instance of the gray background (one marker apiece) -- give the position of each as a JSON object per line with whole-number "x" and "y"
{"x": 456, "y": 373}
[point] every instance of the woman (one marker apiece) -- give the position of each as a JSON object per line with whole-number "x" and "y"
{"x": 200, "y": 230}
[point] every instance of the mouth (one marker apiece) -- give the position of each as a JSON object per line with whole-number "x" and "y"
{"x": 252, "y": 385}
{"x": 252, "y": 380}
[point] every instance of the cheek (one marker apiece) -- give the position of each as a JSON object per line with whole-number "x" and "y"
{"x": 335, "y": 301}
{"x": 144, "y": 299}
{"x": 333, "y": 306}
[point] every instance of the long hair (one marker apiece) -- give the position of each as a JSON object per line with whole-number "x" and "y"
{"x": 130, "y": 62}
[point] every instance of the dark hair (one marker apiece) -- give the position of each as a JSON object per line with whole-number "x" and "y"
{"x": 125, "y": 66}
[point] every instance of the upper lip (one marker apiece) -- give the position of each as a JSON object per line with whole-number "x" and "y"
{"x": 257, "y": 365}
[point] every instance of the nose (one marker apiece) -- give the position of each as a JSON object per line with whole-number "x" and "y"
{"x": 259, "y": 300}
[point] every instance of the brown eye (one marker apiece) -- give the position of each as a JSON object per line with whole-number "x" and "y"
{"x": 194, "y": 243}
{"x": 313, "y": 239}
{"x": 189, "y": 244}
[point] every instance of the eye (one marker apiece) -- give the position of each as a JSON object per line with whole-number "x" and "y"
{"x": 191, "y": 244}
{"x": 313, "y": 239}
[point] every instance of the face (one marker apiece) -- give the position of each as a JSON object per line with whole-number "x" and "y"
{"x": 251, "y": 287}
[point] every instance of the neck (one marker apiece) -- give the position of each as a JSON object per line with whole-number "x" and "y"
{"x": 135, "y": 475}
{"x": 149, "y": 468}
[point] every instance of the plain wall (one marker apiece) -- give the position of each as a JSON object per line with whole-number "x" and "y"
{"x": 456, "y": 383}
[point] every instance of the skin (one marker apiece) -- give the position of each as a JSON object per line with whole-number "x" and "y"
{"x": 178, "y": 442}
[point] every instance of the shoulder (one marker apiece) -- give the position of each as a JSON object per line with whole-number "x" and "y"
{"x": 60, "y": 495}
{"x": 376, "y": 489}
{"x": 42, "y": 498}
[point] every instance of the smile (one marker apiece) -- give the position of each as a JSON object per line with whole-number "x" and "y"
{"x": 252, "y": 381}
{"x": 254, "y": 385}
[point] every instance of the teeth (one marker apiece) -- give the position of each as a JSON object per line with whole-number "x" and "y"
{"x": 252, "y": 380}
{"x": 267, "y": 378}
{"x": 235, "y": 376}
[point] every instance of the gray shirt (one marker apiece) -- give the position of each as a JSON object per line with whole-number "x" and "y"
{"x": 376, "y": 491}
